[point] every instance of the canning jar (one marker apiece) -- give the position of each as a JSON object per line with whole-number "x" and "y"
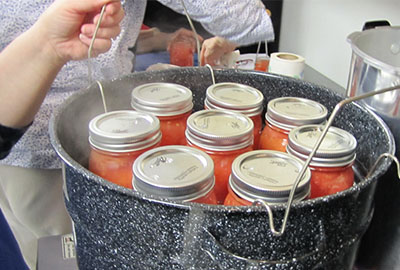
{"x": 178, "y": 173}
{"x": 181, "y": 53}
{"x": 331, "y": 166}
{"x": 239, "y": 98}
{"x": 116, "y": 139}
{"x": 262, "y": 63}
{"x": 223, "y": 135}
{"x": 257, "y": 175}
{"x": 171, "y": 103}
{"x": 286, "y": 113}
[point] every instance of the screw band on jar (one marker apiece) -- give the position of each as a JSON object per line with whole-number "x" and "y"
{"x": 219, "y": 130}
{"x": 171, "y": 103}
{"x": 116, "y": 139}
{"x": 234, "y": 96}
{"x": 258, "y": 175}
{"x": 124, "y": 131}
{"x": 290, "y": 112}
{"x": 162, "y": 99}
{"x": 331, "y": 165}
{"x": 238, "y": 98}
{"x": 286, "y": 113}
{"x": 174, "y": 172}
{"x": 337, "y": 148}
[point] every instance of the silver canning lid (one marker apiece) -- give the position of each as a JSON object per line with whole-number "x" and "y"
{"x": 337, "y": 148}
{"x": 124, "y": 131}
{"x": 289, "y": 112}
{"x": 162, "y": 99}
{"x": 174, "y": 172}
{"x": 269, "y": 176}
{"x": 219, "y": 130}
{"x": 234, "y": 96}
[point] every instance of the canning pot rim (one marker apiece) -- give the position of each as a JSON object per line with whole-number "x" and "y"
{"x": 68, "y": 160}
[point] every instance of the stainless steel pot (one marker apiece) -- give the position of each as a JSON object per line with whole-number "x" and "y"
{"x": 375, "y": 64}
{"x": 118, "y": 228}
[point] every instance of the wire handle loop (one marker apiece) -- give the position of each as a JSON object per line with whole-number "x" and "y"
{"x": 194, "y": 31}
{"x": 92, "y": 42}
{"x": 311, "y": 155}
{"x": 385, "y": 155}
{"x": 212, "y": 73}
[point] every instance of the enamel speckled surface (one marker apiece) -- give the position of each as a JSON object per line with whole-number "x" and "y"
{"x": 117, "y": 228}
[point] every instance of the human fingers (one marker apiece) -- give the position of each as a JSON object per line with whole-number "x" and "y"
{"x": 113, "y": 15}
{"x": 210, "y": 52}
{"x": 103, "y": 32}
{"x": 100, "y": 45}
{"x": 93, "y": 5}
{"x": 183, "y": 32}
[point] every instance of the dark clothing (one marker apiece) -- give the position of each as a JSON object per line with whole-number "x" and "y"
{"x": 9, "y": 137}
{"x": 10, "y": 254}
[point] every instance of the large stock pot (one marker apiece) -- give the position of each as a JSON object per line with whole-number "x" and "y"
{"x": 117, "y": 228}
{"x": 375, "y": 64}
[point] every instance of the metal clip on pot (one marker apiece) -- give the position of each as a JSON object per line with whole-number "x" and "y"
{"x": 316, "y": 146}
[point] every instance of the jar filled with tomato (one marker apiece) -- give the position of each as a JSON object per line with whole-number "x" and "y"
{"x": 116, "y": 139}
{"x": 331, "y": 166}
{"x": 257, "y": 175}
{"x": 178, "y": 173}
{"x": 285, "y": 113}
{"x": 223, "y": 135}
{"x": 171, "y": 103}
{"x": 239, "y": 98}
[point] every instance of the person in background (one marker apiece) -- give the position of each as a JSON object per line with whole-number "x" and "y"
{"x": 30, "y": 176}
{"x": 153, "y": 40}
{"x": 28, "y": 67}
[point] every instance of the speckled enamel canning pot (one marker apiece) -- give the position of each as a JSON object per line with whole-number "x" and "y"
{"x": 117, "y": 228}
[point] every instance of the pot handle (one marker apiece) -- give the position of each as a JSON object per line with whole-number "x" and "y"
{"x": 373, "y": 24}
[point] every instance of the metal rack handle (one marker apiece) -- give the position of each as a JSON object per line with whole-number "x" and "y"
{"x": 385, "y": 155}
{"x": 311, "y": 155}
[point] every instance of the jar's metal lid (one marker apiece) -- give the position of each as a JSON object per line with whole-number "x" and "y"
{"x": 337, "y": 148}
{"x": 162, "y": 99}
{"x": 269, "y": 176}
{"x": 174, "y": 172}
{"x": 219, "y": 130}
{"x": 290, "y": 112}
{"x": 124, "y": 131}
{"x": 234, "y": 96}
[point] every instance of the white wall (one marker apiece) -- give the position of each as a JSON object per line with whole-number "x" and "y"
{"x": 318, "y": 29}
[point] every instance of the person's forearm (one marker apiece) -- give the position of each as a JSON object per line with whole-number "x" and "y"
{"x": 151, "y": 41}
{"x": 28, "y": 67}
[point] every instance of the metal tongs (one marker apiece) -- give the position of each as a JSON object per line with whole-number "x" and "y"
{"x": 316, "y": 146}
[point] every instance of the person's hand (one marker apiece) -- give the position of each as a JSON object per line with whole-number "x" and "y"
{"x": 69, "y": 25}
{"x": 183, "y": 34}
{"x": 213, "y": 48}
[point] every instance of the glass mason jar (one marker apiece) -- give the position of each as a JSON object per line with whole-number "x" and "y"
{"x": 116, "y": 139}
{"x": 331, "y": 166}
{"x": 239, "y": 98}
{"x": 257, "y": 175}
{"x": 223, "y": 135}
{"x": 171, "y": 103}
{"x": 178, "y": 173}
{"x": 181, "y": 53}
{"x": 285, "y": 113}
